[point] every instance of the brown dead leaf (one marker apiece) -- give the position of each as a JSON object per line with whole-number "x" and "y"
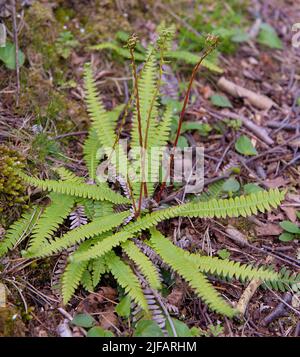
{"x": 108, "y": 317}
{"x": 292, "y": 197}
{"x": 176, "y": 297}
{"x": 290, "y": 213}
{"x": 277, "y": 182}
{"x": 269, "y": 229}
{"x": 95, "y": 301}
{"x": 275, "y": 217}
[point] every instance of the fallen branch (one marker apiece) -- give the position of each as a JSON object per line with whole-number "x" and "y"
{"x": 258, "y": 100}
{"x": 247, "y": 296}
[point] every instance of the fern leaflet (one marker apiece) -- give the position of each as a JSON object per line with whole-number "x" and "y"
{"x": 127, "y": 279}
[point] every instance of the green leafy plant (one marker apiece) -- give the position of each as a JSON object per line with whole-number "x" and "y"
{"x": 267, "y": 36}
{"x": 141, "y": 52}
{"x": 291, "y": 231}
{"x": 244, "y": 146}
{"x": 119, "y": 234}
{"x": 8, "y": 56}
{"x": 87, "y": 322}
{"x": 65, "y": 43}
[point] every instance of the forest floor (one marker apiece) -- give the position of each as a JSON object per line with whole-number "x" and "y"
{"x": 45, "y": 120}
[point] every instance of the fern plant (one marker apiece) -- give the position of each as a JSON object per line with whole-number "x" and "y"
{"x": 126, "y": 218}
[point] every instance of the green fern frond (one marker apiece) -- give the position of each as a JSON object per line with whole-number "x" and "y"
{"x": 230, "y": 269}
{"x": 193, "y": 59}
{"x": 86, "y": 280}
{"x": 67, "y": 175}
{"x": 53, "y": 215}
{"x": 215, "y": 208}
{"x": 176, "y": 258}
{"x": 234, "y": 207}
{"x": 103, "y": 247}
{"x": 77, "y": 189}
{"x": 98, "y": 114}
{"x": 98, "y": 269}
{"x": 214, "y": 190}
{"x": 162, "y": 133}
{"x": 19, "y": 230}
{"x": 143, "y": 263}
{"x": 97, "y": 209}
{"x": 184, "y": 56}
{"x": 147, "y": 88}
{"x": 126, "y": 279}
{"x": 90, "y": 149}
{"x": 123, "y": 52}
{"x": 79, "y": 234}
{"x": 288, "y": 281}
{"x": 71, "y": 279}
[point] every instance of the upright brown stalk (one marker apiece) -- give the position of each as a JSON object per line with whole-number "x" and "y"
{"x": 211, "y": 47}
{"x": 131, "y": 45}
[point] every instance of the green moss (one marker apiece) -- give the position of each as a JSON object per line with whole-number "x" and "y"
{"x": 13, "y": 196}
{"x": 10, "y": 323}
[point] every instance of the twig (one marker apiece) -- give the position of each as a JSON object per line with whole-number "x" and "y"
{"x": 212, "y": 46}
{"x": 279, "y": 311}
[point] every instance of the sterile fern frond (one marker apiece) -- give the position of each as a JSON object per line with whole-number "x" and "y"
{"x": 53, "y": 215}
{"x": 234, "y": 207}
{"x": 215, "y": 208}
{"x": 90, "y": 150}
{"x": 67, "y": 175}
{"x": 97, "y": 112}
{"x": 71, "y": 279}
{"x": 19, "y": 230}
{"x": 230, "y": 269}
{"x": 86, "y": 280}
{"x": 143, "y": 263}
{"x": 77, "y": 189}
{"x": 193, "y": 59}
{"x": 126, "y": 279}
{"x": 177, "y": 259}
{"x": 288, "y": 281}
{"x": 79, "y": 234}
{"x": 162, "y": 133}
{"x": 98, "y": 269}
{"x": 148, "y": 108}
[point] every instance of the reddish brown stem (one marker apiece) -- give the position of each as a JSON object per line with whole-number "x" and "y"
{"x": 182, "y": 113}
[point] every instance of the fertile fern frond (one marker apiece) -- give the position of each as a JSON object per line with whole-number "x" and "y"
{"x": 143, "y": 263}
{"x": 77, "y": 189}
{"x": 176, "y": 258}
{"x": 126, "y": 279}
{"x": 98, "y": 114}
{"x": 53, "y": 216}
{"x": 19, "y": 230}
{"x": 90, "y": 150}
{"x": 79, "y": 234}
